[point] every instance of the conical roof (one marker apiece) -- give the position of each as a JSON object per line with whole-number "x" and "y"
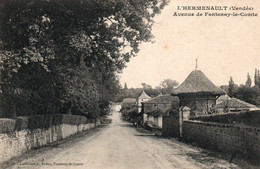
{"x": 197, "y": 83}
{"x": 143, "y": 95}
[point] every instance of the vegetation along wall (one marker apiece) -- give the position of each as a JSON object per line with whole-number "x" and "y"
{"x": 24, "y": 133}
{"x": 250, "y": 118}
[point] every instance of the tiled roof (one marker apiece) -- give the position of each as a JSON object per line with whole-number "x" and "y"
{"x": 143, "y": 95}
{"x": 167, "y": 98}
{"x": 235, "y": 103}
{"x": 197, "y": 82}
{"x": 129, "y": 100}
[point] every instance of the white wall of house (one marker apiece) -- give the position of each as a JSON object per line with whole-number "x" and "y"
{"x": 116, "y": 107}
{"x": 145, "y": 118}
{"x": 160, "y": 121}
{"x": 151, "y": 119}
{"x": 139, "y": 103}
{"x": 154, "y": 120}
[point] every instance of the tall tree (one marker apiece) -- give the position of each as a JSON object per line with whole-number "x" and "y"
{"x": 125, "y": 87}
{"x": 73, "y": 45}
{"x": 248, "y": 81}
{"x": 257, "y": 78}
{"x": 231, "y": 86}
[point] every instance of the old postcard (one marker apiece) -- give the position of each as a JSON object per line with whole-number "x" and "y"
{"x": 129, "y": 84}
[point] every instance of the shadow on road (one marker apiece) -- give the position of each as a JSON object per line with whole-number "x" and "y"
{"x": 145, "y": 135}
{"x": 126, "y": 125}
{"x": 203, "y": 157}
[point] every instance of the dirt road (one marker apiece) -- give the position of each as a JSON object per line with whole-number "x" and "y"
{"x": 121, "y": 146}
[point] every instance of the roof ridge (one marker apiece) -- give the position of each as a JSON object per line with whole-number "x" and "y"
{"x": 144, "y": 95}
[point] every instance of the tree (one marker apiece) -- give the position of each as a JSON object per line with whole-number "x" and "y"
{"x": 257, "y": 77}
{"x": 146, "y": 86}
{"x": 249, "y": 94}
{"x": 125, "y": 87}
{"x": 231, "y": 85}
{"x": 71, "y": 45}
{"x": 225, "y": 88}
{"x": 167, "y": 85}
{"x": 248, "y": 81}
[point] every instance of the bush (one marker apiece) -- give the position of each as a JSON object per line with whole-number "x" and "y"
{"x": 40, "y": 121}
{"x": 46, "y": 121}
{"x": 7, "y": 125}
{"x": 22, "y": 123}
{"x": 69, "y": 119}
{"x": 250, "y": 118}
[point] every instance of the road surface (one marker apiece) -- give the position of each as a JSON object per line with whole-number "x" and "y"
{"x": 120, "y": 146}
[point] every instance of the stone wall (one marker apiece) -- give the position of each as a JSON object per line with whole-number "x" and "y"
{"x": 18, "y": 136}
{"x": 237, "y": 140}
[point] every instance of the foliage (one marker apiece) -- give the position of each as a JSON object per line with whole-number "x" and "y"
{"x": 245, "y": 93}
{"x": 231, "y": 85}
{"x": 248, "y": 81}
{"x": 251, "y": 118}
{"x": 80, "y": 94}
{"x": 125, "y": 87}
{"x": 146, "y": 86}
{"x": 167, "y": 86}
{"x": 249, "y": 94}
{"x": 257, "y": 77}
{"x": 175, "y": 106}
{"x": 7, "y": 125}
{"x": 65, "y": 55}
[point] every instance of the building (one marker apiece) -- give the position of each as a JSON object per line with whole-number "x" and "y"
{"x": 128, "y": 103}
{"x": 234, "y": 105}
{"x": 155, "y": 108}
{"x": 142, "y": 98}
{"x": 222, "y": 98}
{"x": 198, "y": 93}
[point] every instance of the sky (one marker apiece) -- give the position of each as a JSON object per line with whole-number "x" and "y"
{"x": 224, "y": 46}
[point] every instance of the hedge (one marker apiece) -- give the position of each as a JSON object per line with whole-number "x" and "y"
{"x": 7, "y": 125}
{"x": 40, "y": 121}
{"x": 250, "y": 118}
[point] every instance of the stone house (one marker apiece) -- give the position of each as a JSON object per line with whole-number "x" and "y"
{"x": 198, "y": 93}
{"x": 154, "y": 109}
{"x": 222, "y": 98}
{"x": 142, "y": 98}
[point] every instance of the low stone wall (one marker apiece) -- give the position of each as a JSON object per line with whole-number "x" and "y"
{"x": 236, "y": 140}
{"x": 20, "y": 135}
